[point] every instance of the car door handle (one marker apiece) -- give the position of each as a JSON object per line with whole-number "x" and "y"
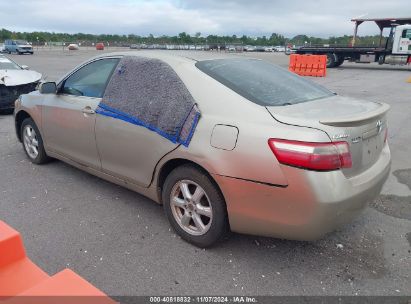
{"x": 88, "y": 110}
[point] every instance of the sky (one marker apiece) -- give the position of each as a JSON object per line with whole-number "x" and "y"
{"x": 320, "y": 18}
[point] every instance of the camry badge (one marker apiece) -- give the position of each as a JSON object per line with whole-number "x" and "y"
{"x": 340, "y": 136}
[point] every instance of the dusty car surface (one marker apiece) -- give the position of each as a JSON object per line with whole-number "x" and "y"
{"x": 225, "y": 144}
{"x": 14, "y": 81}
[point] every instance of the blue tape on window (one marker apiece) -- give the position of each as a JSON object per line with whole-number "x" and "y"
{"x": 148, "y": 92}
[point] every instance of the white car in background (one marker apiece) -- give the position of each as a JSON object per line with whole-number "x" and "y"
{"x": 73, "y": 47}
{"x": 279, "y": 48}
{"x": 15, "y": 80}
{"x": 249, "y": 48}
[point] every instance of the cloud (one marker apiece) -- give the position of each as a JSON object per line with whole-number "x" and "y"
{"x": 317, "y": 18}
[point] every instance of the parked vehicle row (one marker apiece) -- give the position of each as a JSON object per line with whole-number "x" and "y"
{"x": 21, "y": 47}
{"x": 219, "y": 47}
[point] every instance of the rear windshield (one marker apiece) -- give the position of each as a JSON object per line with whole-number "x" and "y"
{"x": 261, "y": 82}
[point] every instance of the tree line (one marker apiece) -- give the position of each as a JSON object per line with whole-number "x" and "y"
{"x": 182, "y": 38}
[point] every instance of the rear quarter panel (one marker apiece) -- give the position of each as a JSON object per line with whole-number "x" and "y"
{"x": 252, "y": 158}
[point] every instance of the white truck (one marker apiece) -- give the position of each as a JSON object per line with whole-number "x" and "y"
{"x": 397, "y": 48}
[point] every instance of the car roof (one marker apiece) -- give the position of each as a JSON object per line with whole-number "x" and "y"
{"x": 193, "y": 56}
{"x": 168, "y": 56}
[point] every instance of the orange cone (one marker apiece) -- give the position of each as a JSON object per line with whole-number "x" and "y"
{"x": 409, "y": 80}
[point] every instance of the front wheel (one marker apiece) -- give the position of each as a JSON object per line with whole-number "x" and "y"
{"x": 33, "y": 142}
{"x": 195, "y": 206}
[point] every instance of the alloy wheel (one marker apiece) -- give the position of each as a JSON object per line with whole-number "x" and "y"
{"x": 191, "y": 207}
{"x": 30, "y": 141}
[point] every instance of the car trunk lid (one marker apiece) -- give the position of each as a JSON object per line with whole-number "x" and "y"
{"x": 361, "y": 123}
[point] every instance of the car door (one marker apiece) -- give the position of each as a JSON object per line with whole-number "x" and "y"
{"x": 405, "y": 42}
{"x": 69, "y": 116}
{"x": 129, "y": 151}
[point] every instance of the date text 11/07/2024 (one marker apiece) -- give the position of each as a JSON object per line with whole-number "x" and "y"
{"x": 203, "y": 299}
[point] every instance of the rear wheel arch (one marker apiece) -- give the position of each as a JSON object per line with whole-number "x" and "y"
{"x": 201, "y": 220}
{"x": 172, "y": 164}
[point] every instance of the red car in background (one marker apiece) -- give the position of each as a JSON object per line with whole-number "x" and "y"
{"x": 100, "y": 46}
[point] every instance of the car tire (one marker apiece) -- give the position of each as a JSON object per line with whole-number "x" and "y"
{"x": 33, "y": 142}
{"x": 195, "y": 206}
{"x": 331, "y": 60}
{"x": 340, "y": 61}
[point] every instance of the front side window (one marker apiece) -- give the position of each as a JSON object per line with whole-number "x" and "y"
{"x": 261, "y": 82}
{"x": 90, "y": 80}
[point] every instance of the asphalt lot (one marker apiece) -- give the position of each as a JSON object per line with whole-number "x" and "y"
{"x": 122, "y": 243}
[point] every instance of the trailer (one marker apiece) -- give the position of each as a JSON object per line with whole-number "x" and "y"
{"x": 395, "y": 50}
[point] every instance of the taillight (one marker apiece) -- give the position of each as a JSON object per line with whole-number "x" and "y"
{"x": 386, "y": 135}
{"x": 309, "y": 155}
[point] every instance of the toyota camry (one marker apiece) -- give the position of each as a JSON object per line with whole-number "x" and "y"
{"x": 224, "y": 144}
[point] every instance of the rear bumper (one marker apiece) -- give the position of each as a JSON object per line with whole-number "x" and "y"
{"x": 313, "y": 203}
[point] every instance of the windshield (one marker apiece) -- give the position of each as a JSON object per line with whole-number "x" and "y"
{"x": 21, "y": 42}
{"x": 261, "y": 82}
{"x": 7, "y": 64}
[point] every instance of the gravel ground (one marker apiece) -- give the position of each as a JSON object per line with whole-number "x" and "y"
{"x": 122, "y": 243}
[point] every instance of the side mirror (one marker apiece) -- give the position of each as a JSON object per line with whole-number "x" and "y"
{"x": 48, "y": 88}
{"x": 25, "y": 67}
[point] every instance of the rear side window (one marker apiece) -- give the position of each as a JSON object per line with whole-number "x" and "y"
{"x": 149, "y": 93}
{"x": 261, "y": 82}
